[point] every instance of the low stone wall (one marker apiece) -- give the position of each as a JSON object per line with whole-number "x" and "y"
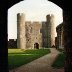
{"x": 12, "y": 43}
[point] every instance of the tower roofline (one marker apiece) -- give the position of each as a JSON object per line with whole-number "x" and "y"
{"x": 20, "y": 14}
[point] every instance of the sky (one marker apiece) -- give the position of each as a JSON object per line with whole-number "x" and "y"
{"x": 34, "y": 10}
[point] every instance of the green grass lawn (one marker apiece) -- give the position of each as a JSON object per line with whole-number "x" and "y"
{"x": 59, "y": 62}
{"x": 18, "y": 57}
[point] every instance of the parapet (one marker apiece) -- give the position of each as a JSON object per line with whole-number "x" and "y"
{"x": 36, "y": 22}
{"x": 20, "y": 14}
{"x": 27, "y": 22}
{"x": 49, "y": 16}
{"x": 59, "y": 27}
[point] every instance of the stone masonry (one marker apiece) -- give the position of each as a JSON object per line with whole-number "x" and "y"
{"x": 33, "y": 34}
{"x": 59, "y": 39}
{"x": 30, "y": 34}
{"x": 50, "y": 30}
{"x": 21, "y": 38}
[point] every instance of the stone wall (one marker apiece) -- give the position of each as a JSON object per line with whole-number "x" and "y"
{"x": 50, "y": 30}
{"x": 44, "y": 32}
{"x": 12, "y": 43}
{"x": 59, "y": 39}
{"x": 36, "y": 36}
{"x": 31, "y": 33}
{"x": 56, "y": 43}
{"x": 21, "y": 39}
{"x": 28, "y": 34}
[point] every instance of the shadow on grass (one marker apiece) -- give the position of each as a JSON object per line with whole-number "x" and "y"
{"x": 20, "y": 58}
{"x": 59, "y": 62}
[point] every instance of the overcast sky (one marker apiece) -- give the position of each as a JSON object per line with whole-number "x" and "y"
{"x": 34, "y": 10}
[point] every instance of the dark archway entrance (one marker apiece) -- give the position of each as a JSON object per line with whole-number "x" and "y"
{"x": 36, "y": 46}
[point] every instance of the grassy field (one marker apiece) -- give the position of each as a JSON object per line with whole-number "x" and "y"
{"x": 59, "y": 62}
{"x": 18, "y": 57}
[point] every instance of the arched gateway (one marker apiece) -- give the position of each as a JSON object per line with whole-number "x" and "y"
{"x": 36, "y": 46}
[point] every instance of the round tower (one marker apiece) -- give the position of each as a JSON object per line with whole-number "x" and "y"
{"x": 50, "y": 30}
{"x": 21, "y": 39}
{"x": 53, "y": 30}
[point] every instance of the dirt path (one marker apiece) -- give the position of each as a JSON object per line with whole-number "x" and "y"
{"x": 42, "y": 64}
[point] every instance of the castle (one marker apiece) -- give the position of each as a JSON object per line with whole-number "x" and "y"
{"x": 32, "y": 35}
{"x": 59, "y": 40}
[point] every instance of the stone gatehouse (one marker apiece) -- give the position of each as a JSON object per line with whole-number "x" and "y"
{"x": 35, "y": 34}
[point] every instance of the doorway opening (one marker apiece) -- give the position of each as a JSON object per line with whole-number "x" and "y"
{"x": 36, "y": 46}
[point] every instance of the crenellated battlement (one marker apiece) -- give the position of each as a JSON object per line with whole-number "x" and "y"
{"x": 31, "y": 32}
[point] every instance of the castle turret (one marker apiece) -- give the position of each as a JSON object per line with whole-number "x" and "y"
{"x": 50, "y": 30}
{"x": 21, "y": 40}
